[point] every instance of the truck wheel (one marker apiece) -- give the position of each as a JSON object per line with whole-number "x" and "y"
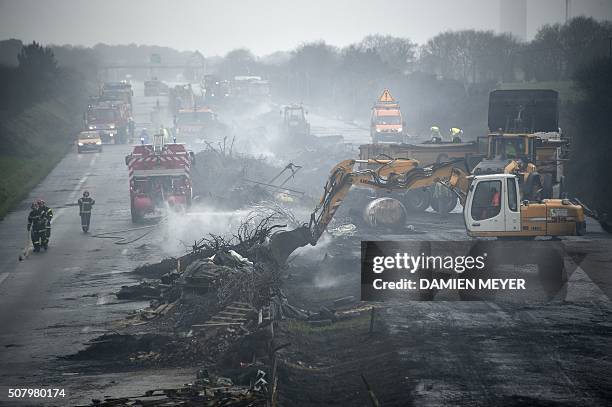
{"x": 417, "y": 200}
{"x": 79, "y": 151}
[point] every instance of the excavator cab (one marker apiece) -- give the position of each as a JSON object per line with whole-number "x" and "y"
{"x": 493, "y": 208}
{"x": 493, "y": 205}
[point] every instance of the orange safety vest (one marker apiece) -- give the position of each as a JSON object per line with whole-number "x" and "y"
{"x": 495, "y": 200}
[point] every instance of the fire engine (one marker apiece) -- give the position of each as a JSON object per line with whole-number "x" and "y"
{"x": 111, "y": 120}
{"x": 159, "y": 177}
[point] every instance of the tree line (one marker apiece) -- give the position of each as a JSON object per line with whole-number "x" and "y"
{"x": 444, "y": 81}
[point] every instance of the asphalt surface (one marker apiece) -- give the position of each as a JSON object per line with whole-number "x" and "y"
{"x": 53, "y": 302}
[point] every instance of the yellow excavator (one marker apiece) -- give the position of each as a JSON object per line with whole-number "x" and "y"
{"x": 492, "y": 203}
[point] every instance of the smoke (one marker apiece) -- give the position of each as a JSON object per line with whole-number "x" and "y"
{"x": 181, "y": 230}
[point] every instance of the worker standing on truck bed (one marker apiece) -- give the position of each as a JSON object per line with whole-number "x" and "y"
{"x": 85, "y": 204}
{"x": 456, "y": 134}
{"x": 435, "y": 135}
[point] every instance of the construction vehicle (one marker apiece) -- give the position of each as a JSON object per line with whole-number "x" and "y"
{"x": 524, "y": 139}
{"x": 197, "y": 122}
{"x": 508, "y": 215}
{"x": 112, "y": 121}
{"x": 181, "y": 97}
{"x": 295, "y": 126}
{"x": 117, "y": 92}
{"x": 89, "y": 140}
{"x": 155, "y": 87}
{"x": 386, "y": 123}
{"x": 250, "y": 89}
{"x": 159, "y": 177}
{"x": 216, "y": 90}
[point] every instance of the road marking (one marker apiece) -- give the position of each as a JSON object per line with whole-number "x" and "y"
{"x": 3, "y": 277}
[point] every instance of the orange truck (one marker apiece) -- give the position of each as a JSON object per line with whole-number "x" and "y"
{"x": 386, "y": 124}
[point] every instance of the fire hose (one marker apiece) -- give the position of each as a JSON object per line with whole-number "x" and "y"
{"x": 122, "y": 239}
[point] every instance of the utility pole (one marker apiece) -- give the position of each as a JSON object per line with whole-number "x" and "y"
{"x": 567, "y": 10}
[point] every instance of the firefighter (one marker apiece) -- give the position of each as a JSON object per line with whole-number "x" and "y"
{"x": 47, "y": 215}
{"x": 85, "y": 204}
{"x": 36, "y": 226}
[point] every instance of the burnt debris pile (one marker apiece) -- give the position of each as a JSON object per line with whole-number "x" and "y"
{"x": 234, "y": 181}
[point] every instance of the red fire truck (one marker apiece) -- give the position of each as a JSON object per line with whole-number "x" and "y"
{"x": 160, "y": 177}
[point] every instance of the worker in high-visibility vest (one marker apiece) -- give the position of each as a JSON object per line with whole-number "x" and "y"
{"x": 435, "y": 135}
{"x": 85, "y": 205}
{"x": 455, "y": 134}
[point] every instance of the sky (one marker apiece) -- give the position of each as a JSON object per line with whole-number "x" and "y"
{"x": 215, "y": 27}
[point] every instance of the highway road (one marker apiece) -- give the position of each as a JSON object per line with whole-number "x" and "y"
{"x": 52, "y": 303}
{"x": 55, "y": 301}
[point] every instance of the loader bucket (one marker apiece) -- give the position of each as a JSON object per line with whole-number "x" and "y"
{"x": 524, "y": 111}
{"x": 282, "y": 244}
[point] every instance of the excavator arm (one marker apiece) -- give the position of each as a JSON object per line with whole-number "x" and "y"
{"x": 388, "y": 174}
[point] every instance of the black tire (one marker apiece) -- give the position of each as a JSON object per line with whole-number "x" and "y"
{"x": 79, "y": 151}
{"x": 417, "y": 200}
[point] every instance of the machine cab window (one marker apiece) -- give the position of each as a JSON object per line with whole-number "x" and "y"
{"x": 512, "y": 195}
{"x": 486, "y": 203}
{"x": 509, "y": 148}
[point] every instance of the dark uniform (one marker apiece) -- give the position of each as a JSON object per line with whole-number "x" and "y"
{"x": 48, "y": 215}
{"x": 37, "y": 225}
{"x": 85, "y": 204}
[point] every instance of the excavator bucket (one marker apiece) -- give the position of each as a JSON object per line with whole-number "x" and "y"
{"x": 282, "y": 244}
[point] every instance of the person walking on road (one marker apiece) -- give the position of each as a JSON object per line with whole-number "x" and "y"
{"x": 36, "y": 226}
{"x": 47, "y": 214}
{"x": 85, "y": 204}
